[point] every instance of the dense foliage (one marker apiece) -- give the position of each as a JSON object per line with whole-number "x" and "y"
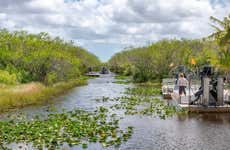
{"x": 38, "y": 57}
{"x": 157, "y": 60}
{"x": 222, "y": 38}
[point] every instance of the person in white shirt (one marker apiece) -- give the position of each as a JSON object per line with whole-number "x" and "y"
{"x": 182, "y": 83}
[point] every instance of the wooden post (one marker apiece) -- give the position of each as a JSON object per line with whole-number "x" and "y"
{"x": 206, "y": 91}
{"x": 220, "y": 91}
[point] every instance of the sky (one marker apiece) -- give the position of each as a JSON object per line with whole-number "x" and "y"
{"x": 105, "y": 27}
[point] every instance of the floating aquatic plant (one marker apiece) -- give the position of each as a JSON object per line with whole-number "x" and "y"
{"x": 141, "y": 100}
{"x": 143, "y": 106}
{"x": 72, "y": 127}
{"x": 143, "y": 91}
{"x": 122, "y": 81}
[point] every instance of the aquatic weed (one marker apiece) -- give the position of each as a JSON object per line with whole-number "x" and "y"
{"x": 143, "y": 91}
{"x": 73, "y": 127}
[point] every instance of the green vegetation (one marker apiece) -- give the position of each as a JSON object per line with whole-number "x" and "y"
{"x": 143, "y": 91}
{"x": 32, "y": 93}
{"x": 222, "y": 38}
{"x": 72, "y": 127}
{"x": 38, "y": 57}
{"x": 142, "y": 100}
{"x": 6, "y": 77}
{"x": 36, "y": 67}
{"x": 134, "y": 105}
{"x": 121, "y": 77}
{"x": 153, "y": 62}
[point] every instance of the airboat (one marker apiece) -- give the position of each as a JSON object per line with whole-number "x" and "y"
{"x": 207, "y": 93}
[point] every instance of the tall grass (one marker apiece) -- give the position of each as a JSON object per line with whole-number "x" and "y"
{"x": 32, "y": 93}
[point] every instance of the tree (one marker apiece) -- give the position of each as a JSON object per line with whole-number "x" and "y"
{"x": 39, "y": 57}
{"x": 222, "y": 34}
{"x": 222, "y": 37}
{"x": 153, "y": 61}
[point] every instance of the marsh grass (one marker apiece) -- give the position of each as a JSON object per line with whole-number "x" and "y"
{"x": 32, "y": 93}
{"x": 153, "y": 84}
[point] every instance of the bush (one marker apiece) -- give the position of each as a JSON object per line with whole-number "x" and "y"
{"x": 128, "y": 71}
{"x": 51, "y": 78}
{"x": 7, "y": 78}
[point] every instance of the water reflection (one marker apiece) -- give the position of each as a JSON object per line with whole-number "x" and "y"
{"x": 217, "y": 118}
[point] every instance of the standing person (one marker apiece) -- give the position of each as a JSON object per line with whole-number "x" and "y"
{"x": 183, "y": 83}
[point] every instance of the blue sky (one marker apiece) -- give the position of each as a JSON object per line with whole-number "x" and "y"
{"x": 105, "y": 27}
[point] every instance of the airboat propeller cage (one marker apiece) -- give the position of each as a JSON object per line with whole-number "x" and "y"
{"x": 181, "y": 69}
{"x": 208, "y": 98}
{"x": 207, "y": 71}
{"x": 212, "y": 87}
{"x": 211, "y": 90}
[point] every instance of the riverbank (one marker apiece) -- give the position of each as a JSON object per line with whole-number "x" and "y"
{"x": 18, "y": 96}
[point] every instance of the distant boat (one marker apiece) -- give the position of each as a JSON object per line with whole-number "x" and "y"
{"x": 104, "y": 70}
{"x": 93, "y": 74}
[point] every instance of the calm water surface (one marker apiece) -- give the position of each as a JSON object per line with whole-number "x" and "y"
{"x": 195, "y": 131}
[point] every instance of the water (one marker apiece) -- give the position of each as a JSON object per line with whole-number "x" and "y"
{"x": 194, "y": 131}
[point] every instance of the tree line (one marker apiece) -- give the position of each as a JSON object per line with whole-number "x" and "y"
{"x": 156, "y": 60}
{"x": 26, "y": 57}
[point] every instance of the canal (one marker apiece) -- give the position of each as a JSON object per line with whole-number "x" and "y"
{"x": 193, "y": 131}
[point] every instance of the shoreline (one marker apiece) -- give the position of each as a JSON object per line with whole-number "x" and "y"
{"x": 33, "y": 93}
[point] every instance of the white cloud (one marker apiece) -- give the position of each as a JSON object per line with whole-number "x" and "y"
{"x": 124, "y": 22}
